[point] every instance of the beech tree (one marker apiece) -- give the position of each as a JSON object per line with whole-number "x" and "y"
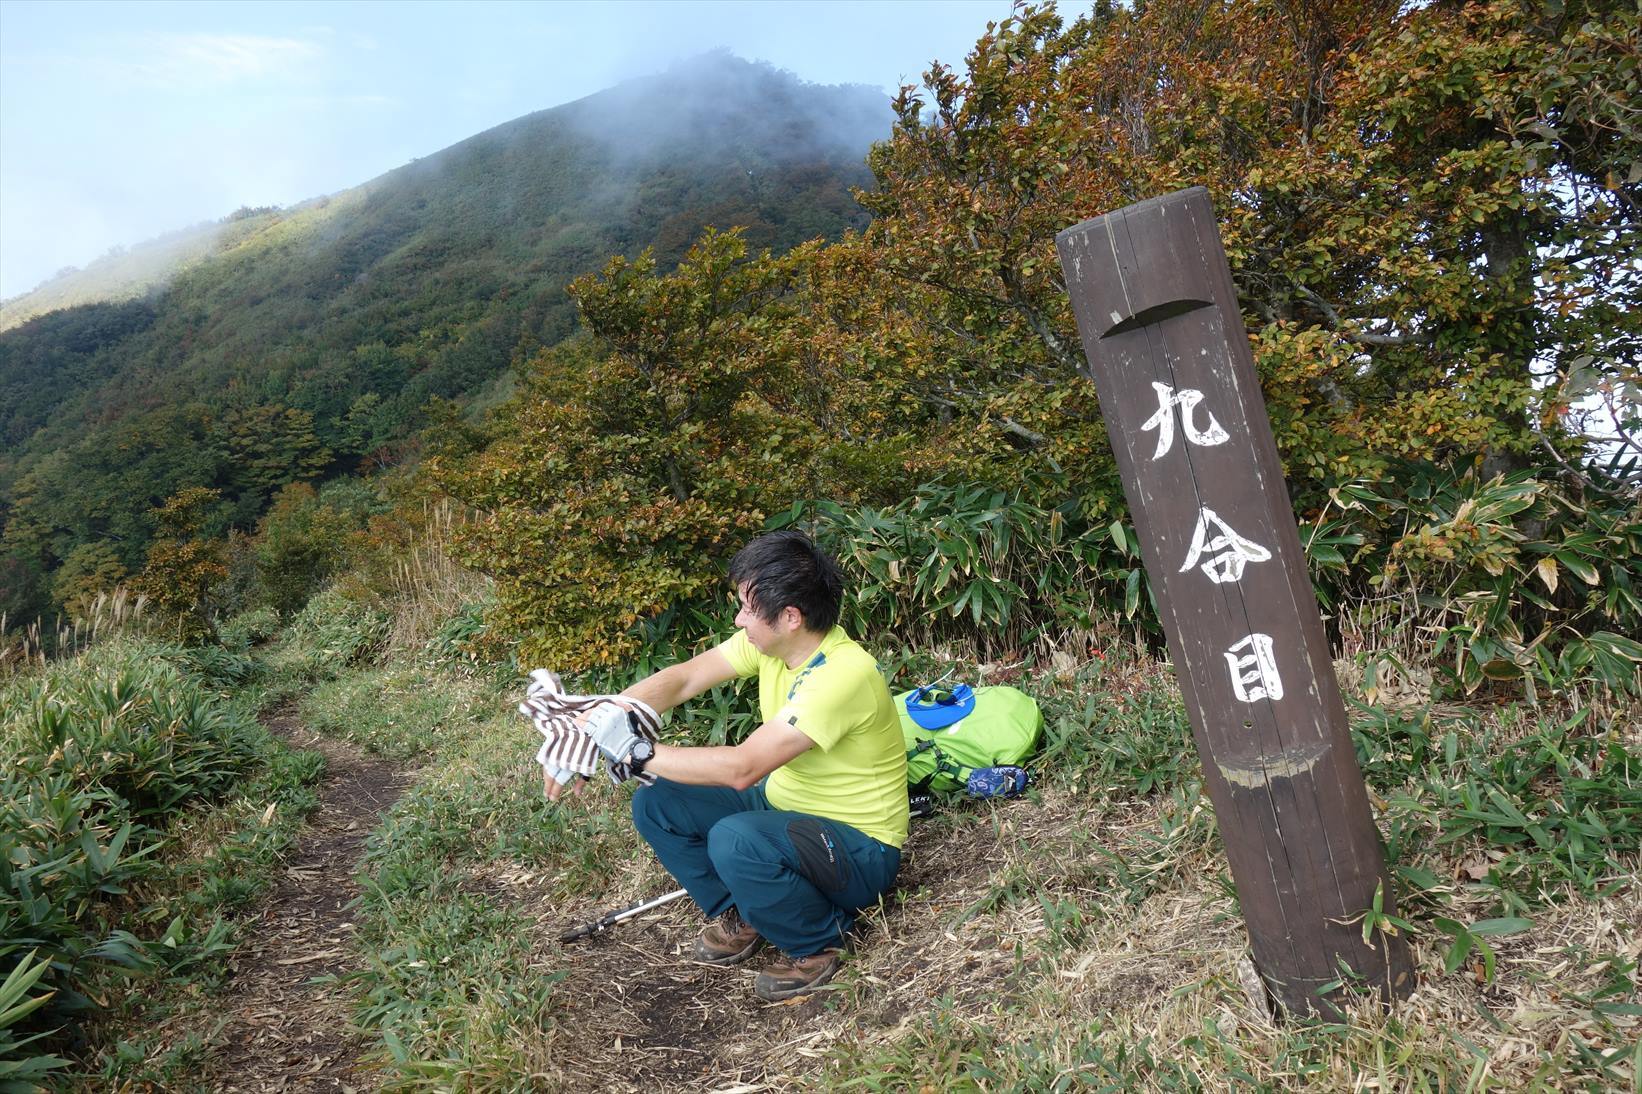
{"x": 183, "y": 565}
{"x": 1432, "y": 218}
{"x": 639, "y": 453}
{"x": 89, "y": 569}
{"x": 261, "y": 448}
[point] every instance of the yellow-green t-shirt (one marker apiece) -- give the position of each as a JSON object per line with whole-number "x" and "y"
{"x": 857, "y": 771}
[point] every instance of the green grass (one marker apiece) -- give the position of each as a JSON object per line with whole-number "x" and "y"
{"x": 147, "y": 806}
{"x": 1117, "y": 729}
{"x": 453, "y": 985}
{"x": 1544, "y": 807}
{"x": 1116, "y": 853}
{"x": 1095, "y": 903}
{"x": 1038, "y": 1042}
{"x": 1100, "y": 910}
{"x": 406, "y": 713}
{"x": 330, "y": 636}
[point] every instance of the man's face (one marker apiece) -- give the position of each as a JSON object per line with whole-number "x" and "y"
{"x": 765, "y": 637}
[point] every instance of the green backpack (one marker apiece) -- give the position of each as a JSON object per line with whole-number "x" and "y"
{"x": 950, "y": 733}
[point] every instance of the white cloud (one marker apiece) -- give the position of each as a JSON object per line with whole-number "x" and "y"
{"x": 184, "y": 60}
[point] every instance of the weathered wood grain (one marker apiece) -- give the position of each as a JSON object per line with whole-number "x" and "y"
{"x": 1155, "y": 305}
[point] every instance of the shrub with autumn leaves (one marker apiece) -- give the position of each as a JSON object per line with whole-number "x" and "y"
{"x": 183, "y": 564}
{"x": 635, "y": 455}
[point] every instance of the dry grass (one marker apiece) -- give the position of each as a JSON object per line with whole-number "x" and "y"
{"x": 1033, "y": 938}
{"x": 110, "y": 612}
{"x": 429, "y": 586}
{"x": 1086, "y": 935}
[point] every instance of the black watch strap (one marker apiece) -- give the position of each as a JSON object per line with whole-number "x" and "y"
{"x": 643, "y": 752}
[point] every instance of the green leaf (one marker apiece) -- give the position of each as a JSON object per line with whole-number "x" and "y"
{"x": 1578, "y": 567}
{"x": 1458, "y": 952}
{"x": 1417, "y": 877}
{"x": 1505, "y": 926}
{"x": 1487, "y": 952}
{"x": 22, "y": 978}
{"x": 1120, "y": 536}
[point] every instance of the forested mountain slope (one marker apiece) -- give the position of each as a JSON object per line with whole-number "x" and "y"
{"x": 314, "y": 337}
{"x": 127, "y": 273}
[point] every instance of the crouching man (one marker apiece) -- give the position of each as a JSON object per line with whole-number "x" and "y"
{"x": 787, "y": 835}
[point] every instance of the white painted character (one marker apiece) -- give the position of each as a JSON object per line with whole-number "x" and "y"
{"x": 1258, "y": 668}
{"x": 1228, "y": 552}
{"x": 1163, "y": 420}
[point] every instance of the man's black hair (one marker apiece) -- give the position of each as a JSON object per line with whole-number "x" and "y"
{"x": 786, "y": 569}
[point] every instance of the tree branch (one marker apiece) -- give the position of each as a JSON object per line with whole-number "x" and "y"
{"x": 1010, "y": 425}
{"x": 1572, "y": 471}
{"x": 1342, "y": 327}
{"x": 1002, "y": 421}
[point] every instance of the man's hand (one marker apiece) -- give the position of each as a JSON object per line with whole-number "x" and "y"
{"x": 608, "y": 726}
{"x": 556, "y": 790}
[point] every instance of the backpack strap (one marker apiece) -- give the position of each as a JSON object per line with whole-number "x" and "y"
{"x": 944, "y": 764}
{"x": 922, "y": 785}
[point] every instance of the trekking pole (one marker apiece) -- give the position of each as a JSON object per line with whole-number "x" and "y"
{"x": 610, "y": 919}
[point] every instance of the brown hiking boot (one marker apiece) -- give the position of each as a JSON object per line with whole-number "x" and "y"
{"x": 796, "y": 976}
{"x": 727, "y": 941}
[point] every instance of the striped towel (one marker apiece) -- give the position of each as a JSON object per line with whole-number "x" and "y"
{"x": 567, "y": 751}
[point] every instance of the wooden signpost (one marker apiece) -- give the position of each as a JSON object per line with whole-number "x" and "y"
{"x": 1167, "y": 351}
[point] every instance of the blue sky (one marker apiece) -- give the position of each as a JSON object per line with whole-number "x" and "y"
{"x": 120, "y": 121}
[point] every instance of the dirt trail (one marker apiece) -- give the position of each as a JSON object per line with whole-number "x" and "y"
{"x": 283, "y": 1032}
{"x": 637, "y": 1016}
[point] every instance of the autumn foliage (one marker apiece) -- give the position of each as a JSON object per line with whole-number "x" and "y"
{"x": 1432, "y": 217}
{"x": 638, "y": 452}
{"x": 183, "y": 563}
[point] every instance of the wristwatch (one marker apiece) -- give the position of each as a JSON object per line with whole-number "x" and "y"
{"x": 643, "y": 752}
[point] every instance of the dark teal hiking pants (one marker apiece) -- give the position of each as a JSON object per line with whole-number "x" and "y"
{"x": 798, "y": 879}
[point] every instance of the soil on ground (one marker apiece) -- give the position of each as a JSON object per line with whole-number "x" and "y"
{"x": 638, "y": 1015}
{"x": 283, "y": 1031}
